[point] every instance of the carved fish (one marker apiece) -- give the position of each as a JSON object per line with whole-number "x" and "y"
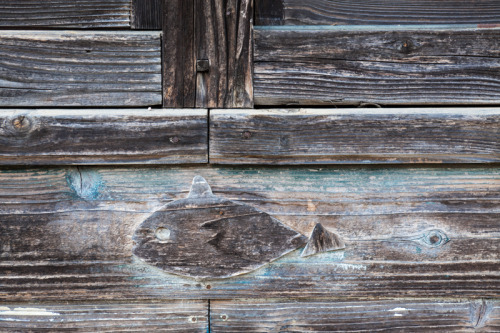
{"x": 205, "y": 236}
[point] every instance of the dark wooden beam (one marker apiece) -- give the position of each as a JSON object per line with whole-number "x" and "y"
{"x": 269, "y": 12}
{"x": 77, "y": 68}
{"x": 386, "y": 65}
{"x": 334, "y": 136}
{"x": 147, "y": 14}
{"x": 133, "y": 136}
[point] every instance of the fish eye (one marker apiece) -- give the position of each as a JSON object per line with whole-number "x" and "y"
{"x": 162, "y": 234}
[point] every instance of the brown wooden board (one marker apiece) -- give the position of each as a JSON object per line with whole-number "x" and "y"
{"x": 170, "y": 316}
{"x": 66, "y": 233}
{"x": 373, "y": 316}
{"x": 77, "y": 14}
{"x": 78, "y": 68}
{"x": 147, "y": 14}
{"x": 102, "y": 136}
{"x": 391, "y": 65}
{"x": 371, "y": 12}
{"x": 323, "y": 136}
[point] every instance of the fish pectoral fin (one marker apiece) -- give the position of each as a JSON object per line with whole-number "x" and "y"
{"x": 322, "y": 240}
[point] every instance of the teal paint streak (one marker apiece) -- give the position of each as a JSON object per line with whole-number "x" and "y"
{"x": 85, "y": 183}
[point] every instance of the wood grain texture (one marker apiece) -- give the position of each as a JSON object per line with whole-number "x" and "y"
{"x": 147, "y": 14}
{"x": 321, "y": 136}
{"x": 178, "y": 57}
{"x": 180, "y": 316}
{"x": 66, "y": 233}
{"x": 269, "y": 12}
{"x": 347, "y": 12}
{"x": 96, "y": 136}
{"x": 79, "y": 14}
{"x": 389, "y": 65}
{"x": 223, "y": 36}
{"x": 77, "y": 68}
{"x": 373, "y": 316}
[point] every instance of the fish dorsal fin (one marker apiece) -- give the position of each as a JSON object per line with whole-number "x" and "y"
{"x": 322, "y": 240}
{"x": 200, "y": 188}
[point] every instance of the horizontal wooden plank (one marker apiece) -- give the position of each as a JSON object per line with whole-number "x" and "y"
{"x": 78, "y": 68}
{"x": 65, "y": 14}
{"x": 66, "y": 233}
{"x": 180, "y": 316}
{"x": 372, "y": 316}
{"x": 327, "y": 136}
{"x": 338, "y": 12}
{"x": 391, "y": 65}
{"x": 96, "y": 136}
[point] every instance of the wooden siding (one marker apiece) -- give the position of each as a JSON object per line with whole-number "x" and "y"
{"x": 323, "y": 136}
{"x": 386, "y": 65}
{"x": 371, "y": 12}
{"x": 409, "y": 232}
{"x": 103, "y": 136}
{"x": 77, "y": 68}
{"x": 65, "y": 14}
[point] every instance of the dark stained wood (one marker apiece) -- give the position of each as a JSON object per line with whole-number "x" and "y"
{"x": 65, "y": 14}
{"x": 269, "y": 12}
{"x": 327, "y": 316}
{"x": 322, "y": 240}
{"x": 205, "y": 236}
{"x": 76, "y": 68}
{"x": 178, "y": 59}
{"x": 295, "y": 136}
{"x": 347, "y": 12}
{"x": 223, "y": 36}
{"x": 66, "y": 233}
{"x": 386, "y": 65}
{"x": 169, "y": 316}
{"x": 147, "y": 14}
{"x": 89, "y": 136}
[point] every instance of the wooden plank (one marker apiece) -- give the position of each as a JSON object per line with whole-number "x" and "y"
{"x": 330, "y": 136}
{"x": 172, "y": 316}
{"x": 342, "y": 12}
{"x": 373, "y": 316}
{"x": 130, "y": 136}
{"x": 75, "y": 14}
{"x": 77, "y": 68}
{"x": 390, "y": 65}
{"x": 147, "y": 14}
{"x": 66, "y": 233}
{"x": 179, "y": 75}
{"x": 223, "y": 36}
{"x": 269, "y": 12}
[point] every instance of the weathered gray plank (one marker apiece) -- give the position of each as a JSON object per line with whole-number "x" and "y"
{"x": 147, "y": 14}
{"x": 91, "y": 136}
{"x": 296, "y": 136}
{"x": 373, "y": 316}
{"x": 391, "y": 65}
{"x": 65, "y": 14}
{"x": 77, "y": 68}
{"x": 171, "y": 316}
{"x": 338, "y": 12}
{"x": 66, "y": 233}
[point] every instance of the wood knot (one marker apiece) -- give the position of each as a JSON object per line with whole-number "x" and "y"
{"x": 406, "y": 46}
{"x": 174, "y": 139}
{"x": 20, "y": 124}
{"x": 246, "y": 135}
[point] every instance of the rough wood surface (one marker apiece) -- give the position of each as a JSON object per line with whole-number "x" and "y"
{"x": 205, "y": 236}
{"x": 78, "y": 68}
{"x": 296, "y": 136}
{"x": 374, "y": 316}
{"x": 322, "y": 65}
{"x": 65, "y": 14}
{"x": 223, "y": 36}
{"x": 90, "y": 136}
{"x": 66, "y": 233}
{"x": 179, "y": 71}
{"x": 147, "y": 14}
{"x": 269, "y": 12}
{"x": 171, "y": 316}
{"x": 347, "y": 12}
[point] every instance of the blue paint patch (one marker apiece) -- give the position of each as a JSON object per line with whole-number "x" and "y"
{"x": 84, "y": 183}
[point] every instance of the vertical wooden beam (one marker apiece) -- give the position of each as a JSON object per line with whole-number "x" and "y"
{"x": 269, "y": 12}
{"x": 146, "y": 14}
{"x": 179, "y": 72}
{"x": 208, "y": 53}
